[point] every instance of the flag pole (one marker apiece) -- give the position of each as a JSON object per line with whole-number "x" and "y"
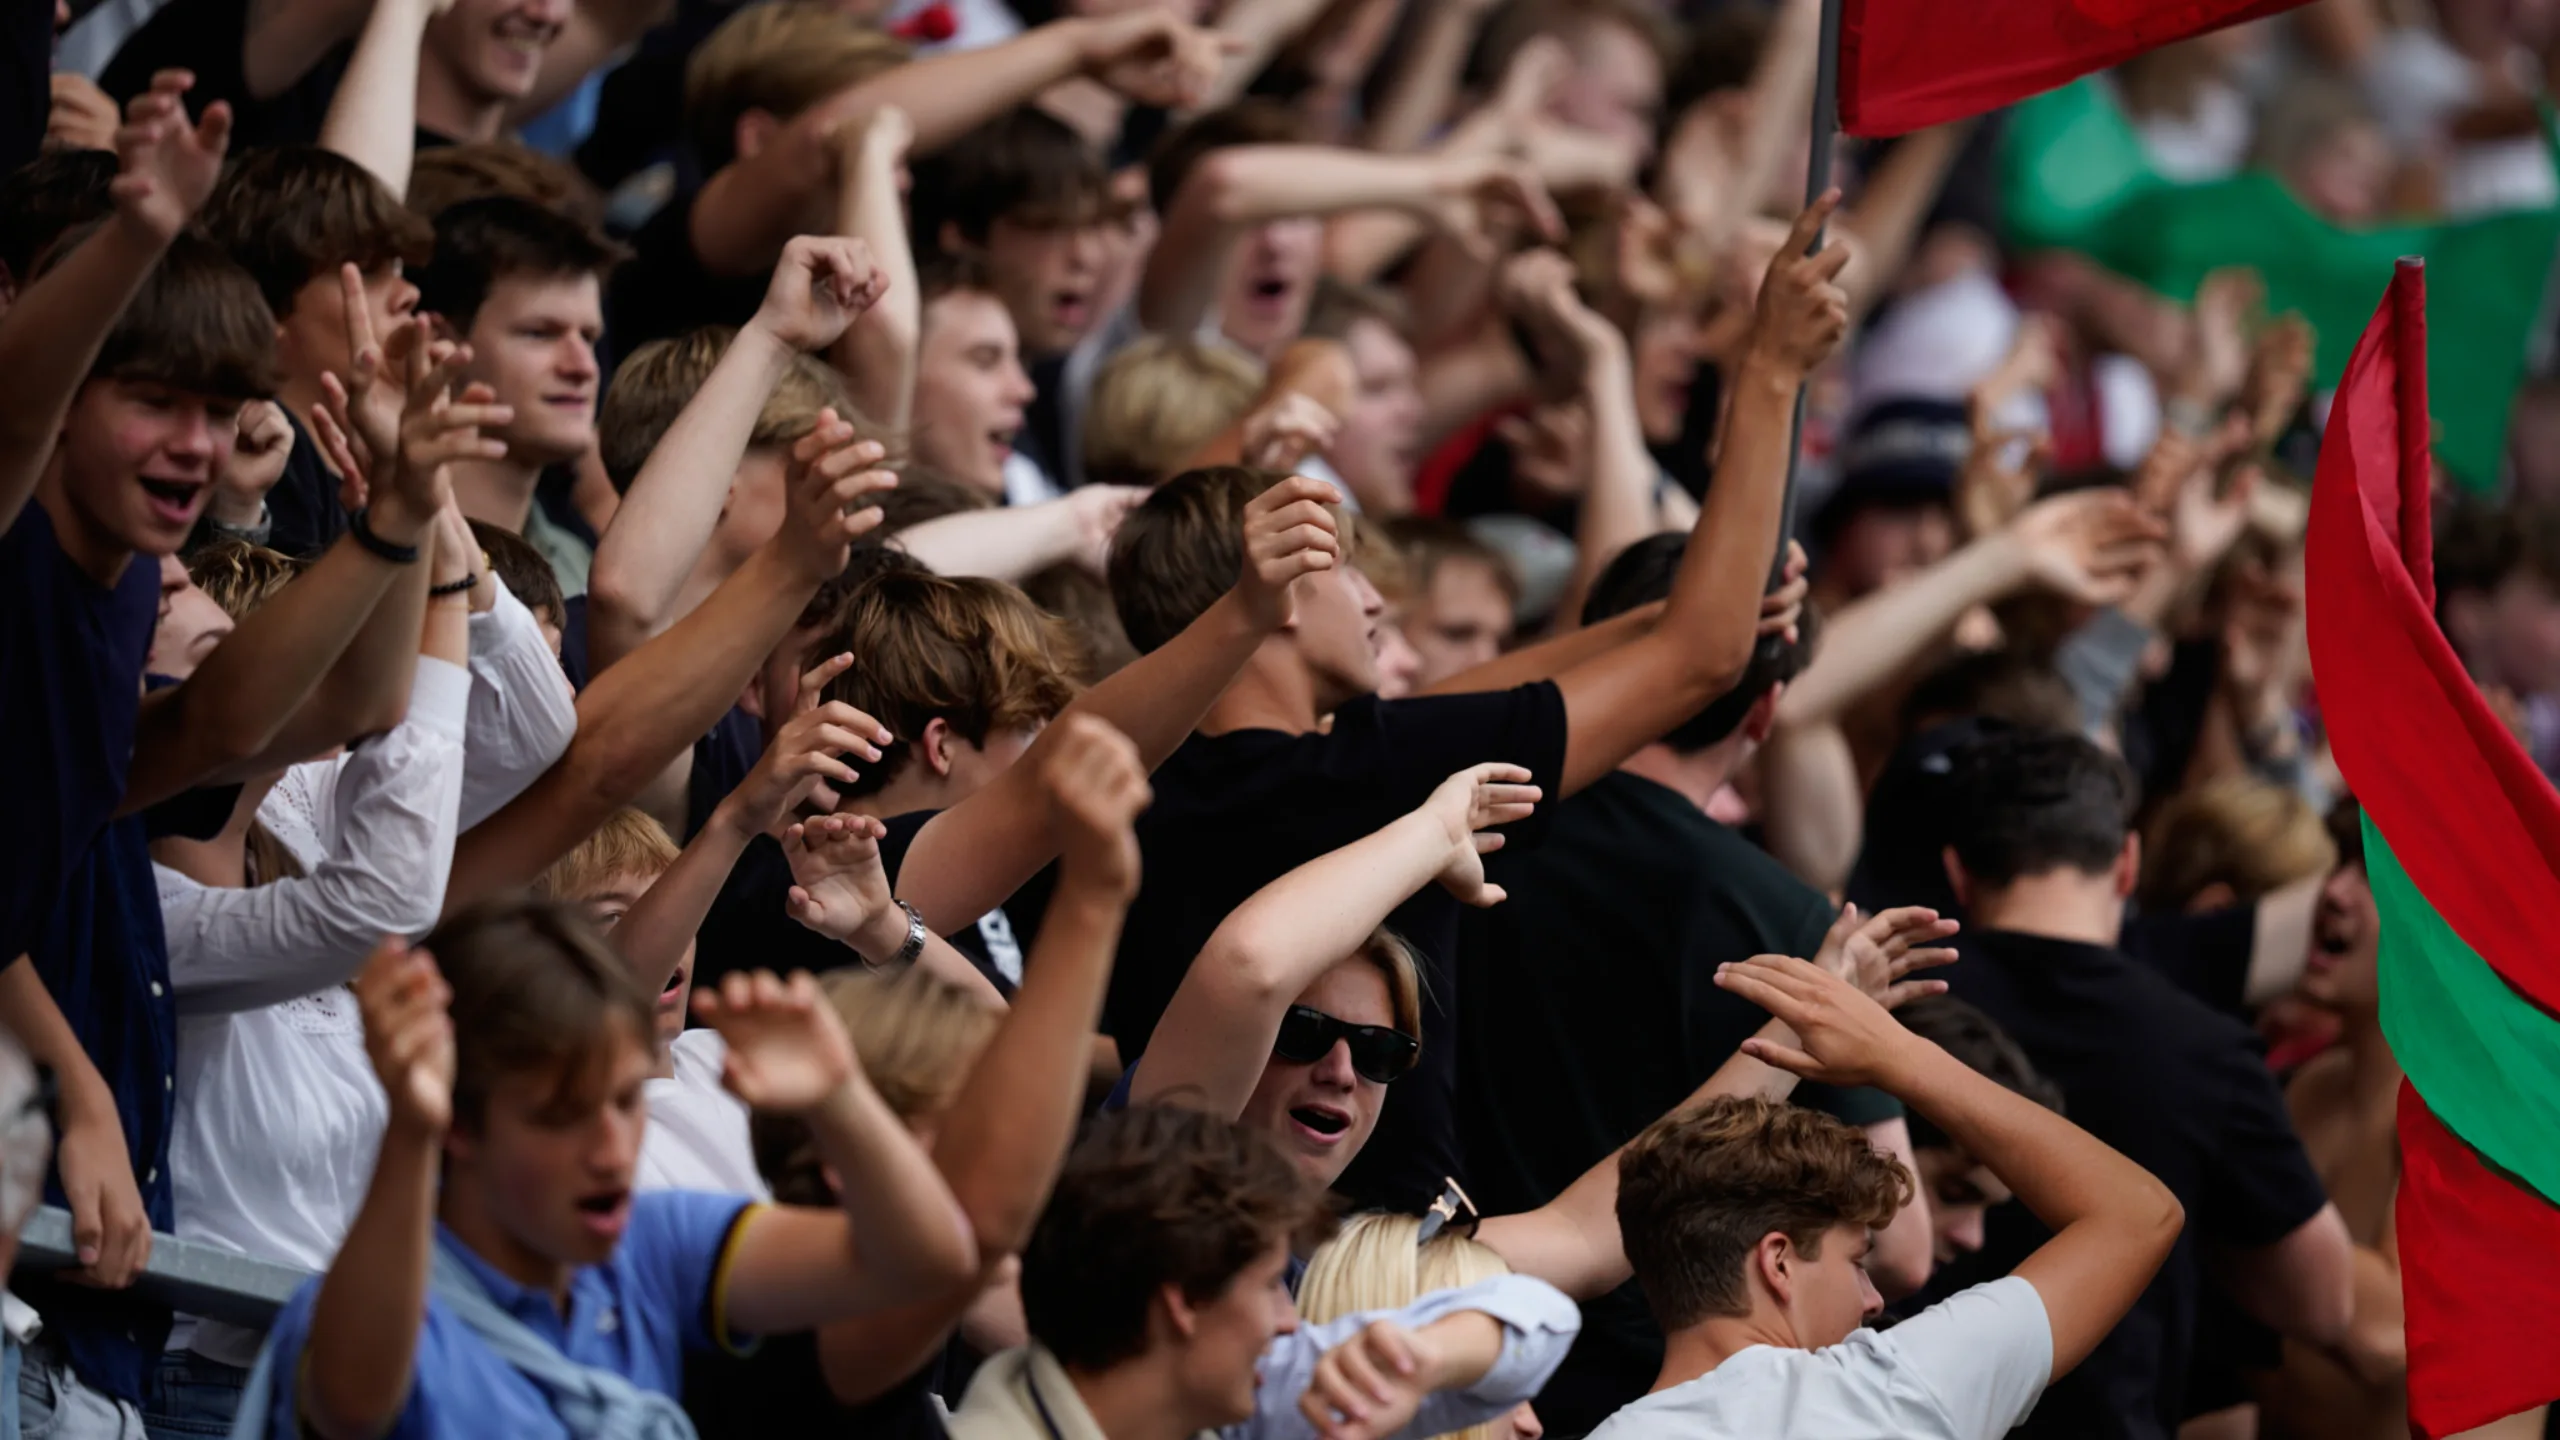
{"x": 1817, "y": 179}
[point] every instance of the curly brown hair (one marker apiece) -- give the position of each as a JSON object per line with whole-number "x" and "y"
{"x": 1699, "y": 1190}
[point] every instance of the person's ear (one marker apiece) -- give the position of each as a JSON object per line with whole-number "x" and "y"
{"x": 2214, "y": 896}
{"x": 1774, "y": 1258}
{"x": 955, "y": 243}
{"x": 1957, "y": 879}
{"x": 936, "y": 744}
{"x": 1180, "y": 1316}
{"x": 751, "y": 699}
{"x": 1763, "y": 716}
{"x": 2128, "y": 866}
{"x": 753, "y": 131}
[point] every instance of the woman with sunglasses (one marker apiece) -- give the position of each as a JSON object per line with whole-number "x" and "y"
{"x": 1292, "y": 1021}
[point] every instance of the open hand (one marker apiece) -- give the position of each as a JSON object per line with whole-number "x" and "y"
{"x": 1096, "y": 785}
{"x": 2089, "y": 545}
{"x": 1802, "y": 313}
{"x": 1287, "y": 430}
{"x": 839, "y": 887}
{"x": 1289, "y": 531}
{"x": 166, "y": 166}
{"x": 2216, "y": 359}
{"x": 437, "y": 429}
{"x": 2000, "y": 474}
{"x": 788, "y": 1052}
{"x": 1875, "y": 952}
{"x": 81, "y": 117}
{"x": 408, "y": 1034}
{"x": 1466, "y": 807}
{"x": 1097, "y": 511}
{"x": 832, "y": 473}
{"x": 822, "y": 285}
{"x": 358, "y": 420}
{"x": 1846, "y": 1039}
{"x": 796, "y": 768}
{"x": 2279, "y": 378}
{"x": 1572, "y": 341}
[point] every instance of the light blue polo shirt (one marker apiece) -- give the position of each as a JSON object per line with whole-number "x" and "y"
{"x": 635, "y": 1315}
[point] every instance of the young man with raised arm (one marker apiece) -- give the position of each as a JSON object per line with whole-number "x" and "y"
{"x": 1750, "y": 1224}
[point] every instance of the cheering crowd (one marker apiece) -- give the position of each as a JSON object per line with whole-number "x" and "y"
{"x": 1295, "y": 718}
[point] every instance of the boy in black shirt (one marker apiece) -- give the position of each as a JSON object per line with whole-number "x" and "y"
{"x": 1592, "y": 1007}
{"x": 2041, "y": 857}
{"x": 1262, "y": 787}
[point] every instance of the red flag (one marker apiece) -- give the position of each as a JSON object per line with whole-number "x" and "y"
{"x": 2479, "y": 1281}
{"x": 1908, "y": 64}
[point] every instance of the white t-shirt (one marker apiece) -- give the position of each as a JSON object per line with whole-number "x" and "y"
{"x": 1967, "y": 1368}
{"x": 697, "y": 1135}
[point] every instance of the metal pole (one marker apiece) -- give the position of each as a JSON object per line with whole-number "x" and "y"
{"x": 1817, "y": 179}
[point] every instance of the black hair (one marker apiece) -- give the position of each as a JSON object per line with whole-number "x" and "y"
{"x": 1642, "y": 574}
{"x": 2030, "y": 802}
{"x": 47, "y": 196}
{"x": 1025, "y": 165}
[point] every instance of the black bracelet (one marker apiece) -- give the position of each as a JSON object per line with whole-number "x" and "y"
{"x": 381, "y": 549}
{"x": 453, "y": 587}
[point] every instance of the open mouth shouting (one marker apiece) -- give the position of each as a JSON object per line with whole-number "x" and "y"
{"x": 176, "y": 502}
{"x": 1320, "y": 1124}
{"x": 605, "y": 1213}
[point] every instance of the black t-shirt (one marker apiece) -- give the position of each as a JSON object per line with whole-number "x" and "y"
{"x": 1592, "y": 1010}
{"x": 750, "y": 927}
{"x": 666, "y": 290}
{"x": 303, "y": 510}
{"x": 211, "y": 38}
{"x": 780, "y": 1390}
{"x": 1235, "y": 812}
{"x": 2182, "y": 1091}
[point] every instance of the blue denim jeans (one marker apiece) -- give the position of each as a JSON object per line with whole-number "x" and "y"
{"x": 192, "y": 1397}
{"x": 52, "y": 1404}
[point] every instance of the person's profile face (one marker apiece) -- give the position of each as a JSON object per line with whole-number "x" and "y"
{"x": 1399, "y": 667}
{"x": 1050, "y": 277}
{"x": 2343, "y": 971}
{"x": 551, "y": 1164}
{"x": 971, "y": 390}
{"x": 1321, "y": 1113}
{"x": 140, "y": 458}
{"x": 1959, "y": 1193}
{"x": 1334, "y": 619}
{"x": 494, "y": 48}
{"x": 1228, "y": 1336}
{"x": 1462, "y": 621}
{"x": 534, "y": 342}
{"x": 1381, "y": 433}
{"x": 1833, "y": 1295}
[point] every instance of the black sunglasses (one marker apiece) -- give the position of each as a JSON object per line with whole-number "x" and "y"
{"x": 1378, "y": 1052}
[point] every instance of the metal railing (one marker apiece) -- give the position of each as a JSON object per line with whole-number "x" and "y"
{"x": 188, "y": 1276}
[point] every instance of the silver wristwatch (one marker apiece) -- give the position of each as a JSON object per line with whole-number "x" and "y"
{"x": 914, "y": 947}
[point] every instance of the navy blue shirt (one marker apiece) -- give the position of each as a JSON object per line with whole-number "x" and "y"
{"x": 71, "y": 654}
{"x": 635, "y": 1315}
{"x": 106, "y": 962}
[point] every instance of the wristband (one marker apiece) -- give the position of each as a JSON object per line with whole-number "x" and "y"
{"x": 257, "y": 534}
{"x": 914, "y": 947}
{"x": 380, "y": 548}
{"x": 453, "y": 587}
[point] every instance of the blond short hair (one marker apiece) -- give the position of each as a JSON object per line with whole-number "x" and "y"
{"x": 655, "y": 382}
{"x": 918, "y": 1036}
{"x": 2240, "y": 832}
{"x": 629, "y": 842}
{"x": 780, "y": 57}
{"x": 1378, "y": 1262}
{"x": 1158, "y": 401}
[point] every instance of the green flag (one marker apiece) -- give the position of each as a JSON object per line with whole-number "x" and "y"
{"x": 2074, "y": 177}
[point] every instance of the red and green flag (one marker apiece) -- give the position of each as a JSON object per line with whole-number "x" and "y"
{"x": 1908, "y": 64}
{"x": 2462, "y": 843}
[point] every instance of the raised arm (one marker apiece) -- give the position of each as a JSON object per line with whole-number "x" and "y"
{"x": 360, "y": 1355}
{"x": 822, "y": 285}
{"x": 373, "y": 117}
{"x": 54, "y": 329}
{"x": 749, "y": 208}
{"x": 840, "y": 889}
{"x": 1572, "y": 1241}
{"x": 2113, "y": 1221}
{"x": 637, "y": 717}
{"x": 965, "y": 861}
{"x": 1622, "y": 700}
{"x": 1217, "y": 1032}
{"x": 877, "y": 352}
{"x": 1014, "y": 542}
{"x": 1233, "y": 190}
{"x": 250, "y": 707}
{"x": 899, "y": 1235}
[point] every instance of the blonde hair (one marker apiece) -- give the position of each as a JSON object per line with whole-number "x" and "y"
{"x": 1158, "y": 401}
{"x": 629, "y": 842}
{"x": 780, "y": 58}
{"x": 917, "y": 1034}
{"x": 239, "y": 576}
{"x": 1395, "y": 961}
{"x": 2239, "y": 832}
{"x": 1374, "y": 1263}
{"x": 655, "y": 382}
